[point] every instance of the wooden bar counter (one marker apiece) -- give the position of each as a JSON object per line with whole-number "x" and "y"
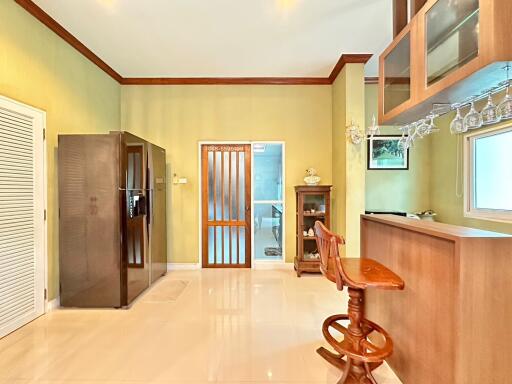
{"x": 453, "y": 322}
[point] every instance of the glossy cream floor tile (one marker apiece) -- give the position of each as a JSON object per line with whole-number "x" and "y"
{"x": 225, "y": 326}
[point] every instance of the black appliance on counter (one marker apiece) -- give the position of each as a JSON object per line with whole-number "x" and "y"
{"x": 396, "y": 213}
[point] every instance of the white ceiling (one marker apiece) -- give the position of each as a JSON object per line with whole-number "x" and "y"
{"x": 226, "y": 38}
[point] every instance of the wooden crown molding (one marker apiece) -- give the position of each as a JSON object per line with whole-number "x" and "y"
{"x": 47, "y": 20}
{"x": 351, "y": 58}
{"x": 52, "y": 24}
{"x": 225, "y": 81}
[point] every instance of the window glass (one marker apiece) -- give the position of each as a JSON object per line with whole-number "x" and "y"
{"x": 397, "y": 75}
{"x": 268, "y": 201}
{"x": 452, "y": 29}
{"x": 268, "y": 175}
{"x": 493, "y": 171}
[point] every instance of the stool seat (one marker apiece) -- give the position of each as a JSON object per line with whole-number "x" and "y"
{"x": 367, "y": 273}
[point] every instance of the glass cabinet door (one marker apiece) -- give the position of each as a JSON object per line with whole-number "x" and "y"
{"x": 397, "y": 74}
{"x": 452, "y": 30}
{"x": 314, "y": 208}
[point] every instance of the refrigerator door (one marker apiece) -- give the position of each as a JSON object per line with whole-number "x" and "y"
{"x": 89, "y": 223}
{"x": 134, "y": 205}
{"x": 157, "y": 211}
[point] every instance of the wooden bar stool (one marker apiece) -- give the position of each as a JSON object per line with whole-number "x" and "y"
{"x": 355, "y": 355}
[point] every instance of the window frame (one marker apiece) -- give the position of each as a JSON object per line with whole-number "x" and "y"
{"x": 470, "y": 211}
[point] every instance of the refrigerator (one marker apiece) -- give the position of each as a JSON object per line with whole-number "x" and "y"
{"x": 112, "y": 218}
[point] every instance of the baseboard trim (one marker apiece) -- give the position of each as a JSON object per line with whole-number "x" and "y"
{"x": 257, "y": 265}
{"x": 273, "y": 265}
{"x": 52, "y": 305}
{"x": 183, "y": 266}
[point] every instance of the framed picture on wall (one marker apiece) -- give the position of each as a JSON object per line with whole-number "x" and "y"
{"x": 386, "y": 153}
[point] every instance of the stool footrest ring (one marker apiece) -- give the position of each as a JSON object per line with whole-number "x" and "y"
{"x": 366, "y": 351}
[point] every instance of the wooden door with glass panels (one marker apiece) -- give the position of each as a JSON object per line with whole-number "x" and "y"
{"x": 226, "y": 205}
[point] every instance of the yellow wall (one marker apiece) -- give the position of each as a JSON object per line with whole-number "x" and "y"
{"x": 339, "y": 151}
{"x": 348, "y": 158}
{"x": 178, "y": 117}
{"x": 406, "y": 191}
{"x": 38, "y": 68}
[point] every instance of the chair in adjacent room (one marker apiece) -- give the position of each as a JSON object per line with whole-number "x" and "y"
{"x": 365, "y": 345}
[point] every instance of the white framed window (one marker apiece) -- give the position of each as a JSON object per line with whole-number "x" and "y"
{"x": 488, "y": 175}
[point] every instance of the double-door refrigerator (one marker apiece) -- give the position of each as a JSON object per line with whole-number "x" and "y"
{"x": 112, "y": 218}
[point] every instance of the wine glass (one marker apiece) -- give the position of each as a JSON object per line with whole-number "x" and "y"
{"x": 374, "y": 129}
{"x": 473, "y": 119}
{"x": 413, "y": 133}
{"x": 505, "y": 106}
{"x": 426, "y": 126}
{"x": 407, "y": 143}
{"x": 431, "y": 125}
{"x": 457, "y": 124}
{"x": 402, "y": 140}
{"x": 491, "y": 114}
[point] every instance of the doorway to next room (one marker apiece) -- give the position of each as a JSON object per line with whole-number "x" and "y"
{"x": 242, "y": 204}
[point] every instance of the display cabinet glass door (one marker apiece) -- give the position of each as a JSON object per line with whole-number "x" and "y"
{"x": 397, "y": 75}
{"x": 268, "y": 201}
{"x": 452, "y": 33}
{"x": 314, "y": 209}
{"x": 226, "y": 205}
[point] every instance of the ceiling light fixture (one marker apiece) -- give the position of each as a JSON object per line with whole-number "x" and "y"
{"x": 286, "y": 5}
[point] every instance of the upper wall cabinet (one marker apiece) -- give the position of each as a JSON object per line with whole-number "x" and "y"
{"x": 450, "y": 50}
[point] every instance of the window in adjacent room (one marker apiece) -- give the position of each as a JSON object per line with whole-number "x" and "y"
{"x": 489, "y": 175}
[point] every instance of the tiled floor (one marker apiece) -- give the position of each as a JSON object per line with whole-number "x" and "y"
{"x": 227, "y": 326}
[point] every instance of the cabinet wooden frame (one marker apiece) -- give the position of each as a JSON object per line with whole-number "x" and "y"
{"x": 472, "y": 78}
{"x": 301, "y": 191}
{"x": 241, "y": 222}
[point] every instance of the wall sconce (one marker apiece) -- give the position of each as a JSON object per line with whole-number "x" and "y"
{"x": 354, "y": 133}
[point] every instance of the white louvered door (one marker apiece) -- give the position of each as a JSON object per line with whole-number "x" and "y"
{"x": 22, "y": 221}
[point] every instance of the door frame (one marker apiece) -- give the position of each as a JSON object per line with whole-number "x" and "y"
{"x": 254, "y": 263}
{"x": 200, "y": 190}
{"x": 39, "y": 116}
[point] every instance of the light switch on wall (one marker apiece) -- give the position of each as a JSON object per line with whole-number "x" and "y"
{"x": 179, "y": 180}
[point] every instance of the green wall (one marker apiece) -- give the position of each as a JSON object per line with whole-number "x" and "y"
{"x": 407, "y": 191}
{"x": 40, "y": 69}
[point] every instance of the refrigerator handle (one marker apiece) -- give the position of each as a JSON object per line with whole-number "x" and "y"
{"x": 149, "y": 213}
{"x": 149, "y": 191}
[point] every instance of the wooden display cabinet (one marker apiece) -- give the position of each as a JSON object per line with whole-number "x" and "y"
{"x": 312, "y": 203}
{"x": 448, "y": 52}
